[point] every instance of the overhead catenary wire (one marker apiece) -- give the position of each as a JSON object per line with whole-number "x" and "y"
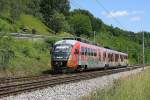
{"x": 73, "y": 4}
{"x": 108, "y": 12}
{"x": 77, "y": 4}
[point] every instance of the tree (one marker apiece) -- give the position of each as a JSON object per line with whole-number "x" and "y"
{"x": 95, "y": 22}
{"x": 34, "y": 8}
{"x": 12, "y": 9}
{"x": 81, "y": 24}
{"x": 61, "y": 6}
{"x": 4, "y": 5}
{"x": 57, "y": 22}
{"x": 53, "y": 12}
{"x": 48, "y": 6}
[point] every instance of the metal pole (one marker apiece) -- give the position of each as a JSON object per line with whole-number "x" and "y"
{"x": 94, "y": 36}
{"x": 138, "y": 59}
{"x": 143, "y": 47}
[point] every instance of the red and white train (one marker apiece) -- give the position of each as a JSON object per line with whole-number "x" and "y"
{"x": 74, "y": 54}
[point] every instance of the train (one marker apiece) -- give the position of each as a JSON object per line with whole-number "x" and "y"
{"x": 70, "y": 55}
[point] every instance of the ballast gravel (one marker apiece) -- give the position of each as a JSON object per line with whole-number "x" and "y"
{"x": 72, "y": 91}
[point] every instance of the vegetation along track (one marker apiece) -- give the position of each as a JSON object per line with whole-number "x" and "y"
{"x": 12, "y": 86}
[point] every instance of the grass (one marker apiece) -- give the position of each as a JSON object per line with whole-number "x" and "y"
{"x": 5, "y": 26}
{"x": 136, "y": 87}
{"x": 31, "y": 22}
{"x": 29, "y": 57}
{"x": 25, "y": 21}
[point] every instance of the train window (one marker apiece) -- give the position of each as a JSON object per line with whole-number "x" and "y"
{"x": 91, "y": 52}
{"x": 95, "y": 53}
{"x": 113, "y": 57}
{"x": 126, "y": 57}
{"x": 104, "y": 56}
{"x": 85, "y": 50}
{"x": 116, "y": 57}
{"x": 82, "y": 51}
{"x": 109, "y": 57}
{"x": 88, "y": 51}
{"x": 121, "y": 57}
{"x": 99, "y": 55}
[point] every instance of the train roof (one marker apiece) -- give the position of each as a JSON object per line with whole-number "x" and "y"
{"x": 72, "y": 41}
{"x": 81, "y": 40}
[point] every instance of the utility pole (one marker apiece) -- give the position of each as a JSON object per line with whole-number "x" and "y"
{"x": 138, "y": 59}
{"x": 143, "y": 47}
{"x": 94, "y": 36}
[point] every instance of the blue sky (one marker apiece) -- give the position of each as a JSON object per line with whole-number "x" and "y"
{"x": 134, "y": 15}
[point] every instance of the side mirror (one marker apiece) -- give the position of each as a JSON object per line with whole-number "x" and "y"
{"x": 76, "y": 51}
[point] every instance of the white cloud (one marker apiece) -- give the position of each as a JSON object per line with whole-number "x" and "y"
{"x": 136, "y": 18}
{"x": 122, "y": 13}
{"x": 116, "y": 14}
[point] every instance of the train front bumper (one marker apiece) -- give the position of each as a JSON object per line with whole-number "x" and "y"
{"x": 61, "y": 66}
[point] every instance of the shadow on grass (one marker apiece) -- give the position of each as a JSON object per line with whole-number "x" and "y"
{"x": 48, "y": 72}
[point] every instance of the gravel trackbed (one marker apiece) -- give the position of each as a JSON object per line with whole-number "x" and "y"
{"x": 72, "y": 91}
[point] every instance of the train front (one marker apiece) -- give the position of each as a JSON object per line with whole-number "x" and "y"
{"x": 60, "y": 54}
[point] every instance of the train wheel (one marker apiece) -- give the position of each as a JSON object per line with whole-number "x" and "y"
{"x": 106, "y": 66}
{"x": 80, "y": 68}
{"x": 85, "y": 68}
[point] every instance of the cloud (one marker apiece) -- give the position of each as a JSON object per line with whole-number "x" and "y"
{"x": 112, "y": 14}
{"x": 136, "y": 18}
{"x": 122, "y": 13}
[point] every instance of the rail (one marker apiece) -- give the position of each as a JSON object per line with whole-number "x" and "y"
{"x": 12, "y": 86}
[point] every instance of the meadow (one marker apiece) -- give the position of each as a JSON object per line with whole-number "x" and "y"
{"x": 23, "y": 57}
{"x": 135, "y": 87}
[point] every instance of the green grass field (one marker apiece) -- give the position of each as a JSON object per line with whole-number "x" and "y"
{"x": 136, "y": 87}
{"x": 23, "y": 57}
{"x": 31, "y": 22}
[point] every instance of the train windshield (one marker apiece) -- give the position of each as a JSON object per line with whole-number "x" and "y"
{"x": 61, "y": 51}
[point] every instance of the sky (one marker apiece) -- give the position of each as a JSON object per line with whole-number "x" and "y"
{"x": 131, "y": 15}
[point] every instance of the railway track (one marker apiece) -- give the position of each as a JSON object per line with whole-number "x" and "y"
{"x": 13, "y": 86}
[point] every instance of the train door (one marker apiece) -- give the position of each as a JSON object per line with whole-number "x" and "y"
{"x": 100, "y": 57}
{"x": 105, "y": 62}
{"x": 73, "y": 60}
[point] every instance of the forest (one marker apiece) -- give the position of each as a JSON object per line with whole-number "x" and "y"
{"x": 53, "y": 17}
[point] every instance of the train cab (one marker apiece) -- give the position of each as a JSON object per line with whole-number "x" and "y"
{"x": 64, "y": 55}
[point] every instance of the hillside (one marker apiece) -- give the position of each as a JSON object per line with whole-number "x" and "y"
{"x": 48, "y": 18}
{"x": 25, "y": 21}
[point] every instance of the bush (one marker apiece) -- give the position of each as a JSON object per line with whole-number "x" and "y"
{"x": 23, "y": 56}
